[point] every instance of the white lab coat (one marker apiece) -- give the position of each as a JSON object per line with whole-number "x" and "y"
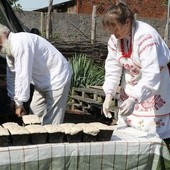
{"x": 145, "y": 77}
{"x": 34, "y": 60}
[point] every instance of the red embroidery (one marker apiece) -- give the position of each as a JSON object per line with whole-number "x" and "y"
{"x": 134, "y": 71}
{"x": 129, "y": 122}
{"x": 148, "y": 45}
{"x": 127, "y": 66}
{"x": 126, "y": 55}
{"x": 159, "y": 102}
{"x": 159, "y": 123}
{"x": 147, "y": 38}
{"x": 123, "y": 95}
{"x": 154, "y": 102}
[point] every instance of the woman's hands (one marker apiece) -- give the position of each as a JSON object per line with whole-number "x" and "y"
{"x": 106, "y": 106}
{"x": 127, "y": 107}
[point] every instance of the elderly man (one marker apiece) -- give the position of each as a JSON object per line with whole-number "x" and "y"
{"x": 31, "y": 59}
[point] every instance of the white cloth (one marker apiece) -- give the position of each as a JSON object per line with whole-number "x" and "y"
{"x": 35, "y": 61}
{"x": 146, "y": 78}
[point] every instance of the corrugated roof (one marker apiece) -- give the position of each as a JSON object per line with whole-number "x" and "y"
{"x": 30, "y": 5}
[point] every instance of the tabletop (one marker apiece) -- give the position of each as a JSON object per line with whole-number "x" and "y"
{"x": 128, "y": 149}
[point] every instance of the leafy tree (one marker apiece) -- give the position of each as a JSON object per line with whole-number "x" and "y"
{"x": 14, "y": 5}
{"x": 12, "y": 2}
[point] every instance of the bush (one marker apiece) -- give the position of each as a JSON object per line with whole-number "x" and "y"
{"x": 86, "y": 72}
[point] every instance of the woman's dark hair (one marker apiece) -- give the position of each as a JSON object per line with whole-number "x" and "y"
{"x": 118, "y": 12}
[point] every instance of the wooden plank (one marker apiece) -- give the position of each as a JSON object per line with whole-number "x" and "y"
{"x": 88, "y": 90}
{"x": 84, "y": 102}
{"x": 100, "y": 88}
{"x": 96, "y": 87}
{"x": 87, "y": 100}
{"x": 84, "y": 107}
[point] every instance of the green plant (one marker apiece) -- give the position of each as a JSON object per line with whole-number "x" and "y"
{"x": 86, "y": 72}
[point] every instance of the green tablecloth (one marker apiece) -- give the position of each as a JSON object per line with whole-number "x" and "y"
{"x": 127, "y": 150}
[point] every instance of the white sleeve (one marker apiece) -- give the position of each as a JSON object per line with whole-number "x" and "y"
{"x": 113, "y": 70}
{"x": 150, "y": 79}
{"x": 23, "y": 71}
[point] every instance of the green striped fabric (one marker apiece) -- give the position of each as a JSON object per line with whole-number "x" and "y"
{"x": 125, "y": 151}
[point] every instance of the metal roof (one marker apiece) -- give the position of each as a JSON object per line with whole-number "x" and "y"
{"x": 31, "y": 5}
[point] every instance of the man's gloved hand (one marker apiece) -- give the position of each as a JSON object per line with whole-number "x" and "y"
{"x": 20, "y": 111}
{"x": 127, "y": 107}
{"x": 106, "y": 105}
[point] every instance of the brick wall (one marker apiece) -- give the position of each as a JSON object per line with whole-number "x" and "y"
{"x": 144, "y": 8}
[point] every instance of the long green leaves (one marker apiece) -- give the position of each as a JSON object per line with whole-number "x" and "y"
{"x": 86, "y": 72}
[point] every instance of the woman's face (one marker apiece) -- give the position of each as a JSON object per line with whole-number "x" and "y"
{"x": 119, "y": 30}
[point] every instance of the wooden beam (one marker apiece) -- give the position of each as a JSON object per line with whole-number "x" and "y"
{"x": 93, "y": 28}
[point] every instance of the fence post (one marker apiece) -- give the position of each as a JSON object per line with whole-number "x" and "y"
{"x": 48, "y": 24}
{"x": 93, "y": 27}
{"x": 166, "y": 35}
{"x": 42, "y": 24}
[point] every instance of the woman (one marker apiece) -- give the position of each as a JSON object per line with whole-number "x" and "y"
{"x": 138, "y": 56}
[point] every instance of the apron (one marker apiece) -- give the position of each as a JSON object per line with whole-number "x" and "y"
{"x": 153, "y": 114}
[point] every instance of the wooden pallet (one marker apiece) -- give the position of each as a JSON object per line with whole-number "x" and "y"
{"x": 83, "y": 104}
{"x": 89, "y": 100}
{"x": 95, "y": 95}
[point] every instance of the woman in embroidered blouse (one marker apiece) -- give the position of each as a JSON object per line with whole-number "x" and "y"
{"x": 138, "y": 56}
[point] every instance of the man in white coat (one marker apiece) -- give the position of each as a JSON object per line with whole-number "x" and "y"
{"x": 31, "y": 59}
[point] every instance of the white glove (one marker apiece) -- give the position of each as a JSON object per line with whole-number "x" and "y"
{"x": 106, "y": 105}
{"x": 127, "y": 107}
